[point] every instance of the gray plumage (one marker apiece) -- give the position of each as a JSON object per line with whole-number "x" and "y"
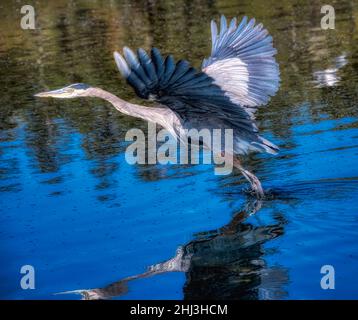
{"x": 240, "y": 75}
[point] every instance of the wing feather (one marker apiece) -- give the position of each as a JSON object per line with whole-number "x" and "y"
{"x": 240, "y": 75}
{"x": 181, "y": 87}
{"x": 242, "y": 62}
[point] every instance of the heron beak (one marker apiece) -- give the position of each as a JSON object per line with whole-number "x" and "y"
{"x": 60, "y": 93}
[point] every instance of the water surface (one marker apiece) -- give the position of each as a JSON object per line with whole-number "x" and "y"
{"x": 74, "y": 209}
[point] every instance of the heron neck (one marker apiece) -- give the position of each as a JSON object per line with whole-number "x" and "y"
{"x": 125, "y": 107}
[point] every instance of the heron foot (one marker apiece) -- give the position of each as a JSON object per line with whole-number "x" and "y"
{"x": 253, "y": 180}
{"x": 255, "y": 183}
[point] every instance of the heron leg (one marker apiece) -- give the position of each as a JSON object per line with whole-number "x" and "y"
{"x": 254, "y": 181}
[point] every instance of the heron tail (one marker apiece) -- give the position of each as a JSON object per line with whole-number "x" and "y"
{"x": 267, "y": 146}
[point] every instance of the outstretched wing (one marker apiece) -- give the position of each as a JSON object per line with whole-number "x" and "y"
{"x": 188, "y": 92}
{"x": 242, "y": 62}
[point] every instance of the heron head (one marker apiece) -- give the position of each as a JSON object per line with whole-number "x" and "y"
{"x": 71, "y": 91}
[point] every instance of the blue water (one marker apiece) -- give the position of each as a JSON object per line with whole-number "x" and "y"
{"x": 71, "y": 206}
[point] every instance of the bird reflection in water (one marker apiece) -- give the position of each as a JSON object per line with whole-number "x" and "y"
{"x": 226, "y": 263}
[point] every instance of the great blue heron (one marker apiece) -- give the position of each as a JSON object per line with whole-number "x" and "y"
{"x": 240, "y": 75}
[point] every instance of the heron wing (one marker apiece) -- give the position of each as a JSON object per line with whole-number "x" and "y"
{"x": 242, "y": 62}
{"x": 185, "y": 90}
